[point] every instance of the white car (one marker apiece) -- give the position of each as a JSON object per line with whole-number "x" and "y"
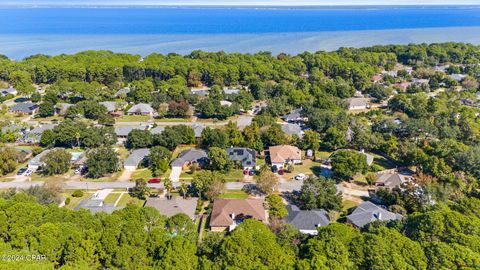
{"x": 28, "y": 172}
{"x": 300, "y": 177}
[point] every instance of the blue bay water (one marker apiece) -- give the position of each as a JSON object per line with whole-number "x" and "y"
{"x": 25, "y": 31}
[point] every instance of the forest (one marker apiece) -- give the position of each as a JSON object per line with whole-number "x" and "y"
{"x": 436, "y": 135}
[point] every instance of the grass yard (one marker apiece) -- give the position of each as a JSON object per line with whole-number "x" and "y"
{"x": 112, "y": 197}
{"x": 109, "y": 178}
{"x": 170, "y": 120}
{"x": 383, "y": 163}
{"x": 41, "y": 177}
{"x": 322, "y": 154}
{"x": 128, "y": 199}
{"x": 234, "y": 175}
{"x": 142, "y": 173}
{"x": 308, "y": 167}
{"x": 234, "y": 194}
{"x": 133, "y": 118}
{"x": 347, "y": 205}
{"x": 74, "y": 201}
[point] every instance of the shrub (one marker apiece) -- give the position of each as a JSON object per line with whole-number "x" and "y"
{"x": 77, "y": 193}
{"x": 67, "y": 201}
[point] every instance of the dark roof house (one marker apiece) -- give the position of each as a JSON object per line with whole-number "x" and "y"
{"x": 245, "y": 156}
{"x": 24, "y": 108}
{"x": 189, "y": 156}
{"x": 306, "y": 221}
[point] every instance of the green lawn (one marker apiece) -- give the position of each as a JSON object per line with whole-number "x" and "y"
{"x": 109, "y": 178}
{"x": 234, "y": 175}
{"x": 128, "y": 199}
{"x": 308, "y": 167}
{"x": 142, "y": 173}
{"x": 383, "y": 163}
{"x": 168, "y": 120}
{"x": 112, "y": 197}
{"x": 74, "y": 201}
{"x": 347, "y": 205}
{"x": 133, "y": 118}
{"x": 234, "y": 194}
{"x": 322, "y": 154}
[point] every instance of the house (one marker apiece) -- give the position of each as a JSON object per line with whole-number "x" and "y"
{"x": 200, "y": 91}
{"x": 295, "y": 116}
{"x": 231, "y": 91}
{"x": 228, "y": 213}
{"x": 391, "y": 180}
{"x": 157, "y": 130}
{"x": 173, "y": 206}
{"x": 96, "y": 203}
{"x": 306, "y": 221}
{"x": 458, "y": 77}
{"x": 293, "y": 129}
{"x": 11, "y": 128}
{"x": 187, "y": 157}
{"x": 141, "y": 109}
{"x": 420, "y": 81}
{"x": 243, "y": 121}
{"x": 122, "y": 92}
{"x": 244, "y": 156}
{"x": 34, "y": 135}
{"x": 110, "y": 105}
{"x": 136, "y": 157}
{"x": 197, "y": 129}
{"x": 225, "y": 103}
{"x": 8, "y": 91}
{"x": 392, "y": 73}
{"x": 377, "y": 78}
{"x": 123, "y": 131}
{"x": 24, "y": 108}
{"x": 36, "y": 163}
{"x": 368, "y": 212}
{"x": 357, "y": 103}
{"x": 61, "y": 108}
{"x": 284, "y": 154}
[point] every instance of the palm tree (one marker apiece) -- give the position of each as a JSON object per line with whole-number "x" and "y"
{"x": 168, "y": 186}
{"x": 183, "y": 189}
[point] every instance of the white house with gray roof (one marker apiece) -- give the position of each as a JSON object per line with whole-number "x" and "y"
{"x": 123, "y": 131}
{"x": 123, "y": 92}
{"x": 110, "y": 105}
{"x": 136, "y": 157}
{"x": 34, "y": 135}
{"x": 8, "y": 91}
{"x": 306, "y": 221}
{"x": 293, "y": 129}
{"x": 24, "y": 108}
{"x": 141, "y": 109}
{"x": 35, "y": 163}
{"x": 175, "y": 205}
{"x": 368, "y": 212}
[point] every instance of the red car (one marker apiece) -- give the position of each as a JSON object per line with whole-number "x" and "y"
{"x": 280, "y": 172}
{"x": 154, "y": 181}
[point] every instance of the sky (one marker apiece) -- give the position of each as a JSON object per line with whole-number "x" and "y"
{"x": 240, "y": 2}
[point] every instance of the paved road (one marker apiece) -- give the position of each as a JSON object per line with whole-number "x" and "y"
{"x": 284, "y": 186}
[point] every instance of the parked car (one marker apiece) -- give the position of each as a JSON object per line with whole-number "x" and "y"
{"x": 154, "y": 181}
{"x": 274, "y": 169}
{"x": 251, "y": 173}
{"x": 22, "y": 170}
{"x": 28, "y": 173}
{"x": 245, "y": 172}
{"x": 80, "y": 170}
{"x": 280, "y": 172}
{"x": 300, "y": 177}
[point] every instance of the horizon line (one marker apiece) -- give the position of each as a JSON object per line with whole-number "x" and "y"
{"x": 239, "y": 5}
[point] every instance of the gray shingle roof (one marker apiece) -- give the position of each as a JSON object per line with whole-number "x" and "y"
{"x": 6, "y": 91}
{"x": 26, "y": 107}
{"x": 96, "y": 206}
{"x": 390, "y": 180}
{"x": 197, "y": 129}
{"x": 137, "y": 156}
{"x": 368, "y": 212}
{"x": 245, "y": 155}
{"x": 36, "y": 160}
{"x": 292, "y": 129}
{"x": 306, "y": 219}
{"x": 125, "y": 130}
{"x": 157, "y": 130}
{"x": 110, "y": 105}
{"x": 174, "y": 206}
{"x": 294, "y": 115}
{"x": 124, "y": 91}
{"x": 190, "y": 155}
{"x": 141, "y": 108}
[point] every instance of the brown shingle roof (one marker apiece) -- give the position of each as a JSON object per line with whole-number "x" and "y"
{"x": 281, "y": 153}
{"x": 224, "y": 208}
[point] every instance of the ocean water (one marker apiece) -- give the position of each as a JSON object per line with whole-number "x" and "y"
{"x": 25, "y": 31}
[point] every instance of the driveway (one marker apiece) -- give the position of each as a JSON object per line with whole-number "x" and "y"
{"x": 175, "y": 174}
{"x": 126, "y": 176}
